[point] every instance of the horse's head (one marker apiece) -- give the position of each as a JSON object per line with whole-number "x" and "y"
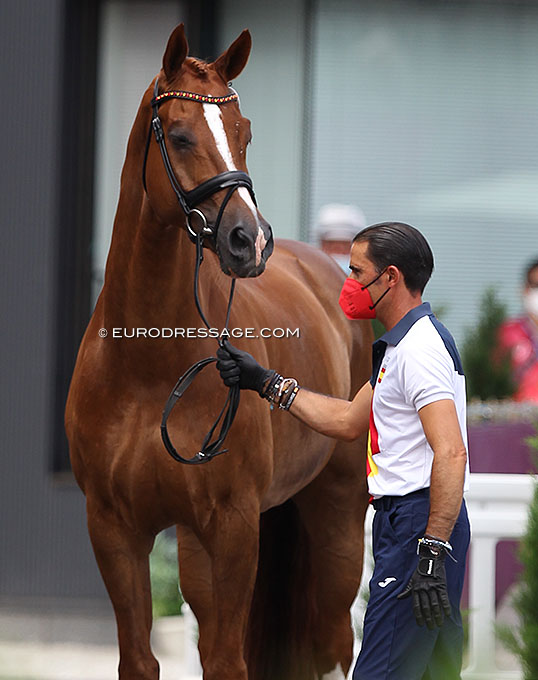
{"x": 195, "y": 167}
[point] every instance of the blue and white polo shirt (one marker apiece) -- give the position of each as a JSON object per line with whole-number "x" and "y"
{"x": 414, "y": 364}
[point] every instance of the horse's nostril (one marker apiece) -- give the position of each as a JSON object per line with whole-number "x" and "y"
{"x": 240, "y": 241}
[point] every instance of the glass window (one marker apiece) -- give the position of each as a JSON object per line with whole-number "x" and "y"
{"x": 133, "y": 40}
{"x": 426, "y": 113}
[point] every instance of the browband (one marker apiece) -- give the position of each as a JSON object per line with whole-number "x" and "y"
{"x": 193, "y": 96}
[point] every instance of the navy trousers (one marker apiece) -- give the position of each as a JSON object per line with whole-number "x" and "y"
{"x": 394, "y": 646}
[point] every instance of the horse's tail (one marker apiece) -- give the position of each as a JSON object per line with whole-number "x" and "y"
{"x": 279, "y": 643}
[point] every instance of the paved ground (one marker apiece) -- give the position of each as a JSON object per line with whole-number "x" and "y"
{"x": 73, "y": 647}
{"x": 70, "y": 661}
{"x": 69, "y": 646}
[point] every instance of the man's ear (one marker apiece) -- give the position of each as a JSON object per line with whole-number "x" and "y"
{"x": 395, "y": 275}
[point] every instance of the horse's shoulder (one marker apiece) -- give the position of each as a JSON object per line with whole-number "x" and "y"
{"x": 297, "y": 248}
{"x": 303, "y": 251}
{"x": 310, "y": 259}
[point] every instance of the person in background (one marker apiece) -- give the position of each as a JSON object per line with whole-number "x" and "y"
{"x": 336, "y": 225}
{"x": 519, "y": 337}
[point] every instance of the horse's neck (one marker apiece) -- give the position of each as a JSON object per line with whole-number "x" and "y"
{"x": 150, "y": 266}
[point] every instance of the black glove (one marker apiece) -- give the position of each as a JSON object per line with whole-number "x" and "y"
{"x": 238, "y": 367}
{"x": 428, "y": 586}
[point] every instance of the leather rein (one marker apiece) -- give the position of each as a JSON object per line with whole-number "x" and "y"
{"x": 188, "y": 200}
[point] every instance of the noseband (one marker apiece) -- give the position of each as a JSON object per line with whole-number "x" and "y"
{"x": 188, "y": 200}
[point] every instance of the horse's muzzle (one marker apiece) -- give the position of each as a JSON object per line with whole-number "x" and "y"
{"x": 245, "y": 251}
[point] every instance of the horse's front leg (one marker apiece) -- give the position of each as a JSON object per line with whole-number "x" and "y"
{"x": 233, "y": 547}
{"x": 123, "y": 558}
{"x": 195, "y": 578}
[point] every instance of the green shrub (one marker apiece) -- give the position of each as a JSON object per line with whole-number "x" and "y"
{"x": 165, "y": 592}
{"x": 524, "y": 641}
{"x": 487, "y": 371}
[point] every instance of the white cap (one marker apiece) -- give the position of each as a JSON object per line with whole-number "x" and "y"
{"x": 339, "y": 222}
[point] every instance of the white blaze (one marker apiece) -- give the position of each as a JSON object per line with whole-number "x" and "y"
{"x": 213, "y": 117}
{"x": 259, "y": 245}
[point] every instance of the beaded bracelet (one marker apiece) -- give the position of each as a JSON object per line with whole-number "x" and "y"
{"x": 272, "y": 387}
{"x": 281, "y": 391}
{"x": 285, "y": 385}
{"x": 434, "y": 543}
{"x": 437, "y": 543}
{"x": 289, "y": 401}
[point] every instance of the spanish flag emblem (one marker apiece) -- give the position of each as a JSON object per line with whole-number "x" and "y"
{"x": 373, "y": 447}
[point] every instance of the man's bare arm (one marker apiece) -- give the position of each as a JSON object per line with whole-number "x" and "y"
{"x": 336, "y": 418}
{"x": 440, "y": 422}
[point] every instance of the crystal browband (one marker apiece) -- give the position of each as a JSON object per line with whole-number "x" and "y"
{"x": 193, "y": 96}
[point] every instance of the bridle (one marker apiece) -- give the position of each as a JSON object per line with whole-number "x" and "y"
{"x": 188, "y": 200}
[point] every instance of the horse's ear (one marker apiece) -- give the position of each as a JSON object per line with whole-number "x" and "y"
{"x": 230, "y": 63}
{"x": 176, "y": 51}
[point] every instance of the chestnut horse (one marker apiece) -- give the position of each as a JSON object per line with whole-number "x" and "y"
{"x": 270, "y": 534}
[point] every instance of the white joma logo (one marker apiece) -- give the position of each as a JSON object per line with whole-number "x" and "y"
{"x": 385, "y": 583}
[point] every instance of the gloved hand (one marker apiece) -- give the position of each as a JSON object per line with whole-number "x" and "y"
{"x": 238, "y": 367}
{"x": 428, "y": 587}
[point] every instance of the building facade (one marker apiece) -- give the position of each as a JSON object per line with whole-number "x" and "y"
{"x": 420, "y": 112}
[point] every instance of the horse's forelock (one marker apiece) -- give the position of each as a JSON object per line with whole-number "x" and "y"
{"x": 199, "y": 67}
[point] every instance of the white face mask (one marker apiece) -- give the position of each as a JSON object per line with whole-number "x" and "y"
{"x": 530, "y": 302}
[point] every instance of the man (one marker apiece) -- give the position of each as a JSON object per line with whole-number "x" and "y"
{"x": 414, "y": 409}
{"x": 519, "y": 337}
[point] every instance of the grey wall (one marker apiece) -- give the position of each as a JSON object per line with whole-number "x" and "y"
{"x": 44, "y": 549}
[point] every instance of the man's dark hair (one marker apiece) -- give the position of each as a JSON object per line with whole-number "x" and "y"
{"x": 530, "y": 268}
{"x": 403, "y": 246}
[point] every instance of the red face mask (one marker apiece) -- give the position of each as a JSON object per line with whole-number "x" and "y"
{"x": 356, "y": 301}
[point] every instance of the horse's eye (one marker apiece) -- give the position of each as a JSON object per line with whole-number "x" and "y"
{"x": 180, "y": 140}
